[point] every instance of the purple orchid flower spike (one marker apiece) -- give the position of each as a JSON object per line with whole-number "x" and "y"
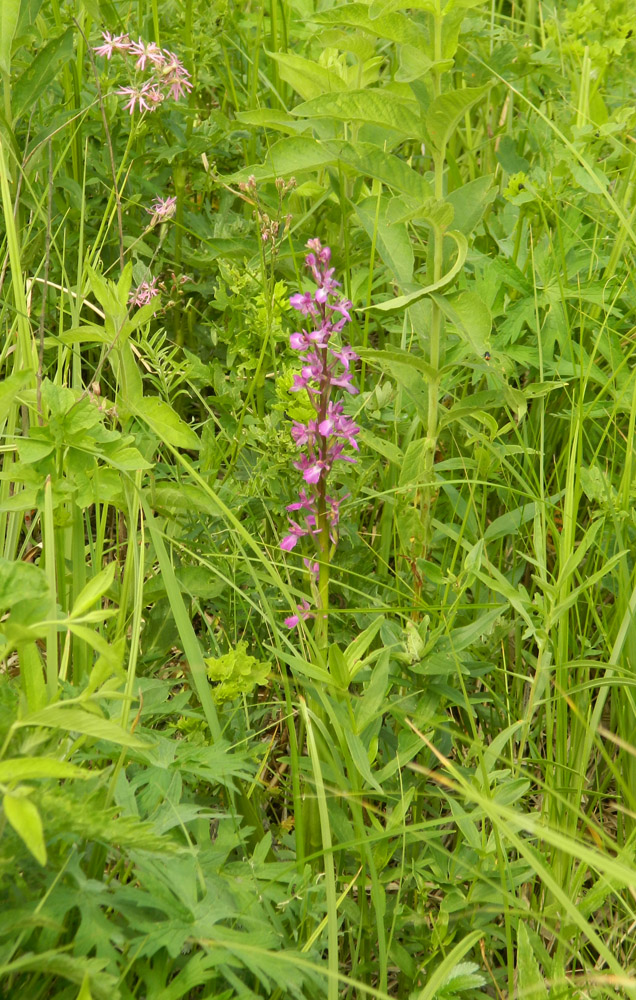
{"x": 323, "y": 439}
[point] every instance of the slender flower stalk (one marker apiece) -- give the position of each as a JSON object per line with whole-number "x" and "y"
{"x": 325, "y": 368}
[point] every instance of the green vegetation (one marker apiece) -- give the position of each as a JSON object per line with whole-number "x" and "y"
{"x": 423, "y": 785}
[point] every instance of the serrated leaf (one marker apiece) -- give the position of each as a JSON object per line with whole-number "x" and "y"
{"x": 25, "y": 820}
{"x": 446, "y": 111}
{"x": 41, "y": 72}
{"x": 530, "y": 982}
{"x": 165, "y": 423}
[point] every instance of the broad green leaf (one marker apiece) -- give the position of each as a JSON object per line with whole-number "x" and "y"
{"x": 389, "y": 358}
{"x": 25, "y": 768}
{"x": 412, "y": 471}
{"x": 383, "y": 8}
{"x": 470, "y": 316}
{"x": 386, "y": 448}
{"x": 378, "y": 107}
{"x": 94, "y": 589}
{"x": 393, "y": 171}
{"x": 354, "y": 653}
{"x": 89, "y": 334}
{"x": 392, "y": 238}
{"x": 73, "y": 719}
{"x": 470, "y": 202}
{"x": 530, "y": 982}
{"x": 375, "y": 694}
{"x": 129, "y": 383}
{"x": 393, "y": 26}
{"x": 142, "y": 315}
{"x": 408, "y": 371}
{"x": 291, "y": 155}
{"x": 510, "y": 522}
{"x": 361, "y": 760}
{"x": 41, "y": 72}
{"x": 9, "y": 14}
{"x": 446, "y": 111}
{"x": 9, "y": 389}
{"x": 413, "y": 64}
{"x": 403, "y": 301}
{"x": 29, "y": 10}
{"x": 25, "y": 820}
{"x": 273, "y": 118}
{"x": 454, "y": 5}
{"x": 20, "y": 581}
{"x": 307, "y": 77}
{"x": 165, "y": 423}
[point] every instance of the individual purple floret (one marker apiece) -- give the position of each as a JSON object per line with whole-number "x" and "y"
{"x": 323, "y": 439}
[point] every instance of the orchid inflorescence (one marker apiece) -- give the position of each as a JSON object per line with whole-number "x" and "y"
{"x": 323, "y": 439}
{"x": 169, "y": 78}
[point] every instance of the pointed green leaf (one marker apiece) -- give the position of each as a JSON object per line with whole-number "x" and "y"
{"x": 392, "y": 238}
{"x": 377, "y": 107}
{"x": 402, "y": 301}
{"x": 307, "y": 77}
{"x": 73, "y": 719}
{"x": 10, "y": 388}
{"x": 470, "y": 316}
{"x": 530, "y": 982}
{"x": 165, "y": 423}
{"x": 94, "y": 589}
{"x": 9, "y": 14}
{"x": 393, "y": 26}
{"x": 25, "y": 768}
{"x": 291, "y": 155}
{"x": 41, "y": 72}
{"x": 25, "y": 820}
{"x": 446, "y": 111}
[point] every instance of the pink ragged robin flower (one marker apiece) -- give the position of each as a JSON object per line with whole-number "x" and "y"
{"x": 118, "y": 43}
{"x": 147, "y": 52}
{"x": 162, "y": 209}
{"x": 146, "y": 291}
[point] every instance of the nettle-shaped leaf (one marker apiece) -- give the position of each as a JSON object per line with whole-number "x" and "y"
{"x": 235, "y": 673}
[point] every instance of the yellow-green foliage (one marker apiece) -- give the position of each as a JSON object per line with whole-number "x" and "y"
{"x": 235, "y": 673}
